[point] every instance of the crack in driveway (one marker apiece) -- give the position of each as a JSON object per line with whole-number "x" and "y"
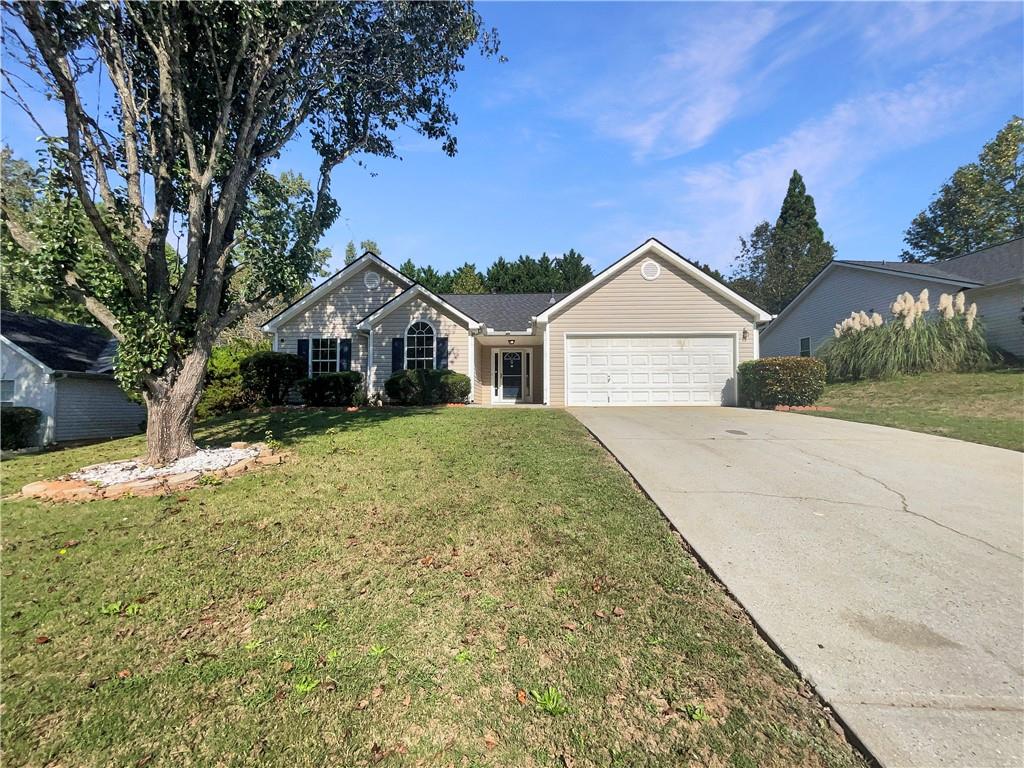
{"x": 905, "y": 504}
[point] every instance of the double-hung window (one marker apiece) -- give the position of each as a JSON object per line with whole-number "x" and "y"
{"x": 419, "y": 346}
{"x": 323, "y": 356}
{"x": 7, "y": 391}
{"x": 805, "y": 346}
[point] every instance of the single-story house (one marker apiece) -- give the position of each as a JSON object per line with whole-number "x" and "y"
{"x": 992, "y": 277}
{"x": 65, "y": 371}
{"x": 651, "y": 329}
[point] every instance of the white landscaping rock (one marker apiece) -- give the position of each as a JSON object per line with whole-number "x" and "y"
{"x": 204, "y": 460}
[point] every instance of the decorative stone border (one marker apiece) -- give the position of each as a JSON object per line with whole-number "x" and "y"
{"x": 79, "y": 490}
{"x": 803, "y": 408}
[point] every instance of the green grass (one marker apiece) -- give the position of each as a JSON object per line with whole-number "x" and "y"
{"x": 445, "y": 587}
{"x": 978, "y": 407}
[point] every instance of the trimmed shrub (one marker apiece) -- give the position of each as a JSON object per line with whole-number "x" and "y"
{"x": 452, "y": 388}
{"x": 19, "y": 427}
{"x": 331, "y": 389}
{"x": 427, "y": 387}
{"x": 267, "y": 376}
{"x": 405, "y": 387}
{"x": 224, "y": 390}
{"x": 916, "y": 340}
{"x": 773, "y": 381}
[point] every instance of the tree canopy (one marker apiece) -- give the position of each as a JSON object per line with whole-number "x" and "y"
{"x": 981, "y": 204}
{"x": 202, "y": 96}
{"x": 524, "y": 275}
{"x": 776, "y": 262}
{"x": 352, "y": 253}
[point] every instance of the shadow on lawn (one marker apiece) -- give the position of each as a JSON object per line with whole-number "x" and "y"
{"x": 293, "y": 426}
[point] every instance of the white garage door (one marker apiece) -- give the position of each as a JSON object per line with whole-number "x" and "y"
{"x": 650, "y": 370}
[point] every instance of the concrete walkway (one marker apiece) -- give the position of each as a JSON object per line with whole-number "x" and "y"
{"x": 887, "y": 565}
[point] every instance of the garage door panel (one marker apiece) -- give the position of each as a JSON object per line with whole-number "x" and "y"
{"x": 650, "y": 370}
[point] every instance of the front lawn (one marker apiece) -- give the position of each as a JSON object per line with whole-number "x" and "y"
{"x": 394, "y": 595}
{"x": 978, "y": 407}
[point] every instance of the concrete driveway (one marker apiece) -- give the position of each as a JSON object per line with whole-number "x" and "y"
{"x": 887, "y": 565}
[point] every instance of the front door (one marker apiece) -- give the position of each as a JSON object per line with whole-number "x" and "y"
{"x": 511, "y": 375}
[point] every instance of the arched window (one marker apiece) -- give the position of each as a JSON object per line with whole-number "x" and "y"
{"x": 419, "y": 346}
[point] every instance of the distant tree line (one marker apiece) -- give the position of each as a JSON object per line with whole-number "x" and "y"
{"x": 524, "y": 275}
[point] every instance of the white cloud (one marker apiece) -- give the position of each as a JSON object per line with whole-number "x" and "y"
{"x": 912, "y": 31}
{"x": 676, "y": 93}
{"x": 726, "y": 199}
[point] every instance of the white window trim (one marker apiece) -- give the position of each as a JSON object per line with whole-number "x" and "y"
{"x": 433, "y": 343}
{"x": 337, "y": 353}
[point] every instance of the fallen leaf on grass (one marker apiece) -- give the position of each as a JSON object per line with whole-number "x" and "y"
{"x": 601, "y": 614}
{"x": 143, "y": 761}
{"x": 363, "y": 704}
{"x": 287, "y": 666}
{"x": 42, "y": 640}
{"x": 522, "y": 642}
{"x": 124, "y": 674}
{"x": 426, "y": 560}
{"x": 490, "y": 740}
{"x": 618, "y": 611}
{"x": 521, "y": 696}
{"x": 572, "y": 626}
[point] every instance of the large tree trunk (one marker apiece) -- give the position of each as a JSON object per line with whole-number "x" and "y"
{"x": 171, "y": 404}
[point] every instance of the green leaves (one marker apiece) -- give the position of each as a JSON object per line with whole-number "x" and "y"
{"x": 981, "y": 204}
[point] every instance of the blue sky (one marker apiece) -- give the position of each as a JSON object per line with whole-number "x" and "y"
{"x": 614, "y": 122}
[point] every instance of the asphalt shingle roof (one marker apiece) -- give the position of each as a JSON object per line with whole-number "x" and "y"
{"x": 994, "y": 264}
{"x": 61, "y": 346}
{"x": 502, "y": 311}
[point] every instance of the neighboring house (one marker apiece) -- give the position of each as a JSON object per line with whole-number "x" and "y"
{"x": 66, "y": 372}
{"x": 651, "y": 329}
{"x": 992, "y": 277}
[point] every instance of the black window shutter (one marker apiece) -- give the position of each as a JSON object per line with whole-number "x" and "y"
{"x": 302, "y": 348}
{"x": 442, "y": 351}
{"x": 344, "y": 354}
{"x": 397, "y": 354}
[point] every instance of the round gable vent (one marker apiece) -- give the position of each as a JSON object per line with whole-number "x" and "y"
{"x": 371, "y": 280}
{"x": 650, "y": 270}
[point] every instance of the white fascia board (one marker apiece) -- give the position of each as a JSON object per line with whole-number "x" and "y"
{"x": 330, "y": 284}
{"x": 652, "y": 245}
{"x": 408, "y": 295}
{"x": 45, "y": 368}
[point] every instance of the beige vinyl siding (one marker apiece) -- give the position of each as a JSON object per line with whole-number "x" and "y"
{"x": 95, "y": 409}
{"x": 335, "y": 315}
{"x": 397, "y": 323}
{"x": 627, "y": 303}
{"x": 839, "y": 292}
{"x": 1000, "y": 311}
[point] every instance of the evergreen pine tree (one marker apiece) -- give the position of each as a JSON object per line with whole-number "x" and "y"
{"x": 798, "y": 249}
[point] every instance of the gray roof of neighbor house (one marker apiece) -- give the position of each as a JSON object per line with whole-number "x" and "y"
{"x": 502, "y": 311}
{"x": 60, "y": 346}
{"x": 995, "y": 264}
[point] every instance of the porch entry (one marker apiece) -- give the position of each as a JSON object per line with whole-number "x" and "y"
{"x": 511, "y": 371}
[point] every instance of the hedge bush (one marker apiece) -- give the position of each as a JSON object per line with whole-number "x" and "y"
{"x": 224, "y": 390}
{"x": 19, "y": 427}
{"x": 267, "y": 376}
{"x": 331, "y": 389}
{"x": 773, "y": 381}
{"x": 427, "y": 387}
